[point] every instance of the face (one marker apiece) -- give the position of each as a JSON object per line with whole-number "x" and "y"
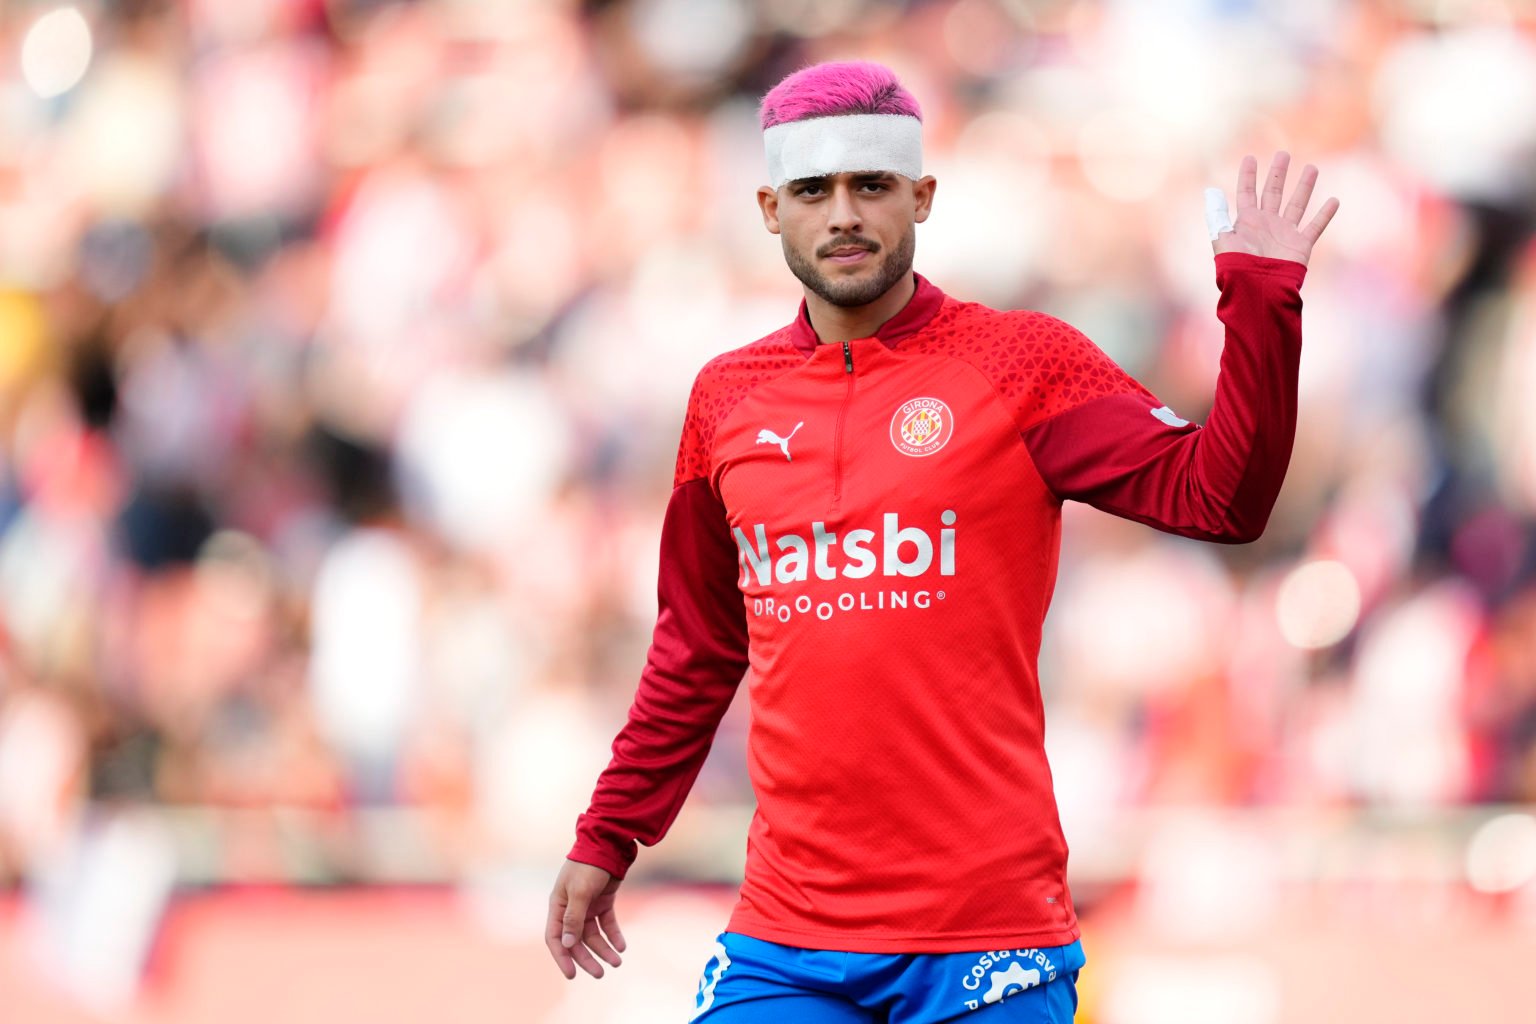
{"x": 848, "y": 237}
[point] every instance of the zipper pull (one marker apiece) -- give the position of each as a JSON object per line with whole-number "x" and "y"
{"x": 848, "y": 356}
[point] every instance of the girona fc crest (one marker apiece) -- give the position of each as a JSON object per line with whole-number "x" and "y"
{"x": 921, "y": 426}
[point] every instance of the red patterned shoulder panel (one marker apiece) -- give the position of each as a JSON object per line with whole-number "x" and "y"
{"x": 1039, "y": 364}
{"x": 723, "y": 382}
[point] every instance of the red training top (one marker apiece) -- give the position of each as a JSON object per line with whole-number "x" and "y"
{"x": 873, "y": 527}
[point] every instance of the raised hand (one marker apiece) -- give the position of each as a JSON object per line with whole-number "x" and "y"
{"x": 582, "y": 900}
{"x": 1262, "y": 228}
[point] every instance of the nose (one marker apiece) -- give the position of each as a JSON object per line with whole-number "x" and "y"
{"x": 843, "y": 211}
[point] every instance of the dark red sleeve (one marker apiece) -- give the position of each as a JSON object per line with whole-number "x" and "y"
{"x": 1216, "y": 482}
{"x": 697, "y": 658}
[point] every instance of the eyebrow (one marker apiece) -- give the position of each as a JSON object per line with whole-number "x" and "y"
{"x": 859, "y": 178}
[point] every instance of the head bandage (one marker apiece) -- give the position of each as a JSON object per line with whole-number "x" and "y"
{"x": 820, "y": 146}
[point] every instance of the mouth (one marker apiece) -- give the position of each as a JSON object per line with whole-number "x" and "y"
{"x": 848, "y": 254}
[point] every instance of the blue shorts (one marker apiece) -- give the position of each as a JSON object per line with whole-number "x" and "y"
{"x": 750, "y": 981}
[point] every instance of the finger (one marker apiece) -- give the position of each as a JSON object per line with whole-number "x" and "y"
{"x": 1217, "y": 217}
{"x": 599, "y": 945}
{"x": 1315, "y": 227}
{"x": 586, "y": 961}
{"x": 1274, "y": 182}
{"x": 610, "y": 923}
{"x": 574, "y": 921}
{"x": 1247, "y": 173}
{"x": 562, "y": 958}
{"x": 552, "y": 931}
{"x": 1302, "y": 196}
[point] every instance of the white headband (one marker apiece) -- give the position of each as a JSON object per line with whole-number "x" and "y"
{"x": 820, "y": 146}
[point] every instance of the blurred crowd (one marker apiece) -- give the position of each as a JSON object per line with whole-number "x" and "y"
{"x": 344, "y": 346}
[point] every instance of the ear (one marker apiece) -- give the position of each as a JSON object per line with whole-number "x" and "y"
{"x": 922, "y": 192}
{"x": 768, "y": 203}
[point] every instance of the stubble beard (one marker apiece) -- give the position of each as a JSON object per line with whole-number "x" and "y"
{"x": 858, "y": 291}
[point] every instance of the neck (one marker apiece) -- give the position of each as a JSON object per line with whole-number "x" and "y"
{"x": 836, "y": 324}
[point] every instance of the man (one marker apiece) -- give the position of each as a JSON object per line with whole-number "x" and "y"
{"x": 867, "y": 511}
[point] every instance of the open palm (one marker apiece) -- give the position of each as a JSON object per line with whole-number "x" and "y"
{"x": 1262, "y": 228}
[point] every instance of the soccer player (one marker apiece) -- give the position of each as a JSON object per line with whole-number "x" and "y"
{"x": 866, "y": 511}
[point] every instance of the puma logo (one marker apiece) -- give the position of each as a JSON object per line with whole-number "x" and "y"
{"x": 766, "y": 436}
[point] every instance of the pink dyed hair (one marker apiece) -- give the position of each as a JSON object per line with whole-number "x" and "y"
{"x": 837, "y": 87}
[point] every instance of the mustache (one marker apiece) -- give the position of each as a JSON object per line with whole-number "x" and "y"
{"x": 856, "y": 241}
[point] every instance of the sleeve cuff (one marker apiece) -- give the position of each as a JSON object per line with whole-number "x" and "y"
{"x": 1293, "y": 271}
{"x": 589, "y": 853}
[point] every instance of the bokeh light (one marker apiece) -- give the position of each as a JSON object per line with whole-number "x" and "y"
{"x": 1502, "y": 854}
{"x": 1318, "y": 604}
{"x": 691, "y": 37}
{"x": 1124, "y": 155}
{"x": 56, "y": 52}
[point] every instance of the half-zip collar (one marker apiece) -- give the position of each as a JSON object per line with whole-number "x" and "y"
{"x": 913, "y": 317}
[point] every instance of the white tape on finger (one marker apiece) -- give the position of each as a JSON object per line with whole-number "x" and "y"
{"x": 1217, "y": 219}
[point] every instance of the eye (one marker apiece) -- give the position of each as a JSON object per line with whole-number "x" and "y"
{"x": 876, "y": 186}
{"x": 808, "y": 190}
